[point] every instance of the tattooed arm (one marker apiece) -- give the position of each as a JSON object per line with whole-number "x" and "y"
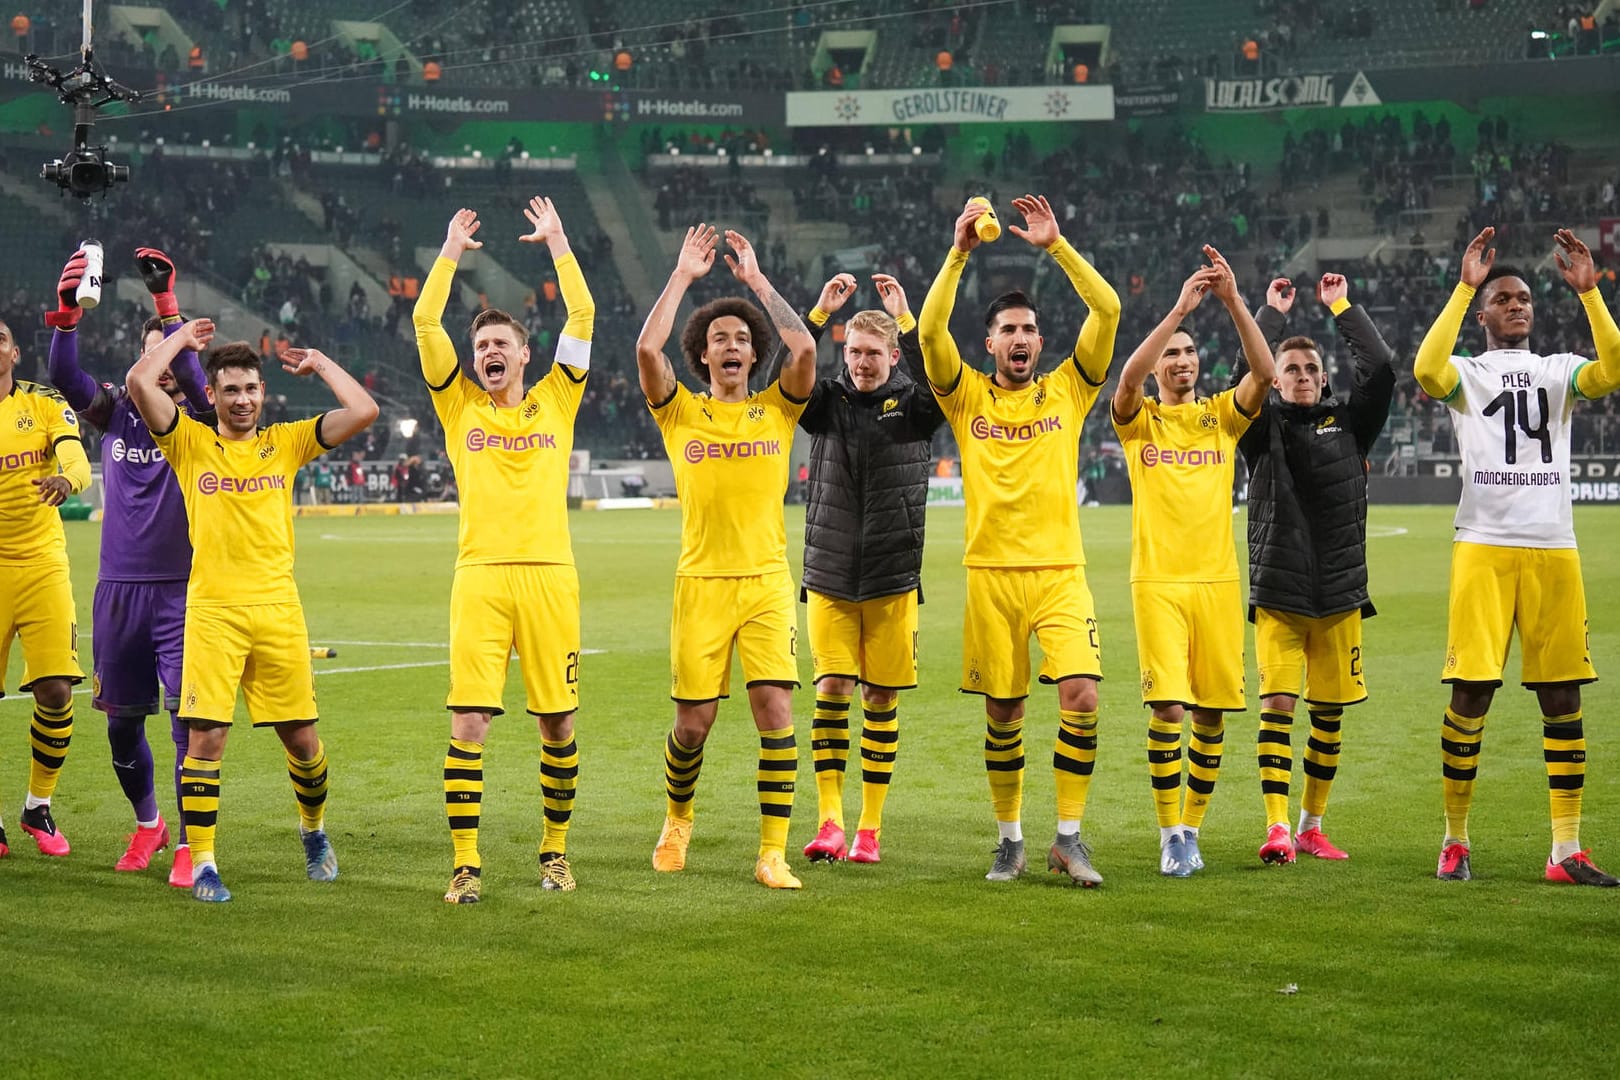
{"x": 798, "y": 376}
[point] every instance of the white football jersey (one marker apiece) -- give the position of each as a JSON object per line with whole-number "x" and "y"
{"x": 1511, "y": 412}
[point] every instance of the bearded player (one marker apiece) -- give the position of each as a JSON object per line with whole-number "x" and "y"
{"x": 733, "y": 589}
{"x": 1019, "y": 434}
{"x": 139, "y": 612}
{"x": 1514, "y": 563}
{"x": 244, "y": 621}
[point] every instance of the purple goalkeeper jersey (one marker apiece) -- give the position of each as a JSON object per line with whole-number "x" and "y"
{"x": 143, "y": 526}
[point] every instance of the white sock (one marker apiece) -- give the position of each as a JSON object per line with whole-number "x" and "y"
{"x": 1564, "y": 849}
{"x": 1309, "y": 821}
{"x": 1449, "y": 840}
{"x": 1189, "y": 833}
{"x": 1168, "y": 833}
{"x": 148, "y": 824}
{"x": 1011, "y": 830}
{"x": 198, "y": 868}
{"x": 1069, "y": 828}
{"x": 34, "y": 801}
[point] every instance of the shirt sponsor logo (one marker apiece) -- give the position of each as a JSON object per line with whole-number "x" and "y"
{"x": 1152, "y": 455}
{"x": 984, "y": 429}
{"x": 479, "y": 439}
{"x": 210, "y": 483}
{"x": 22, "y": 460}
{"x": 135, "y": 455}
{"x": 697, "y": 450}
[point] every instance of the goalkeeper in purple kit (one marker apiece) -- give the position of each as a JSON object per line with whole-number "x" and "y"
{"x": 139, "y": 612}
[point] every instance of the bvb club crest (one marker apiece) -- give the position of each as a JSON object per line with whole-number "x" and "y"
{"x": 1208, "y": 421}
{"x": 756, "y": 413}
{"x": 267, "y": 451}
{"x": 531, "y": 410}
{"x": 1147, "y": 680}
{"x": 25, "y": 423}
{"x": 1040, "y": 396}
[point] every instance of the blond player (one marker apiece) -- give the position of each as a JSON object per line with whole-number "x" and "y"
{"x": 515, "y": 583}
{"x": 1180, "y": 451}
{"x": 244, "y": 621}
{"x": 1514, "y": 564}
{"x": 733, "y": 588}
{"x": 42, "y": 462}
{"x": 1019, "y": 434}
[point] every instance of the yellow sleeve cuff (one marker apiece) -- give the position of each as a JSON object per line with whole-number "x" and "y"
{"x": 906, "y": 322}
{"x": 1340, "y": 306}
{"x": 819, "y": 317}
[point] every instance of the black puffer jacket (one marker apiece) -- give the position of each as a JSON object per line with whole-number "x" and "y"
{"x": 869, "y": 465}
{"x": 1308, "y": 481}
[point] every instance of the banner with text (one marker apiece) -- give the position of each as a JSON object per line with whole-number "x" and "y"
{"x": 308, "y": 94}
{"x": 1262, "y": 95}
{"x": 966, "y": 105}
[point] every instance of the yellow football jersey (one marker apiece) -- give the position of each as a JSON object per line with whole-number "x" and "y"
{"x": 1020, "y": 465}
{"x": 731, "y": 475}
{"x": 1180, "y": 459}
{"x": 38, "y": 430}
{"x": 239, "y": 508}
{"x": 512, "y": 468}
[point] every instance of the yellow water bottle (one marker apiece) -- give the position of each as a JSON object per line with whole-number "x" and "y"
{"x": 988, "y": 228}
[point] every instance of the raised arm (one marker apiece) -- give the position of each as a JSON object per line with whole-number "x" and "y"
{"x": 695, "y": 259}
{"x": 74, "y": 383}
{"x": 156, "y": 407}
{"x": 1094, "y": 349}
{"x": 356, "y": 410}
{"x": 1256, "y": 382}
{"x": 73, "y": 474}
{"x": 1575, "y": 263}
{"x": 834, "y": 294}
{"x": 1432, "y": 367}
{"x": 1373, "y": 384}
{"x": 1272, "y": 316}
{"x": 942, "y": 362}
{"x": 1133, "y": 377}
{"x": 434, "y": 347}
{"x": 158, "y": 274}
{"x": 798, "y": 376}
{"x": 574, "y": 343}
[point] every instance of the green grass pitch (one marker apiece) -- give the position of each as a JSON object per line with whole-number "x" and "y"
{"x": 914, "y": 967}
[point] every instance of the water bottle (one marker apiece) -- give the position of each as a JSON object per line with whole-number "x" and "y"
{"x": 986, "y": 225}
{"x": 89, "y": 294}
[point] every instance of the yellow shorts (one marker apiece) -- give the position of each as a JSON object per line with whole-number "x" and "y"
{"x": 494, "y": 608}
{"x": 1539, "y": 590}
{"x": 263, "y": 648}
{"x": 1004, "y": 607}
{"x": 874, "y": 640}
{"x": 757, "y": 615}
{"x": 1327, "y": 649}
{"x": 36, "y": 604}
{"x": 1189, "y": 643}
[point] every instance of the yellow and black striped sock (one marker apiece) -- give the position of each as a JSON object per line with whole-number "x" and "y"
{"x": 559, "y": 777}
{"x": 829, "y": 751}
{"x": 1321, "y": 760}
{"x": 778, "y": 765}
{"x": 1459, "y": 760}
{"x": 1275, "y": 752}
{"x": 199, "y": 805}
{"x": 1074, "y": 756}
{"x": 1004, "y": 766}
{"x": 880, "y": 744}
{"x": 681, "y": 767}
{"x": 464, "y": 798}
{"x": 309, "y": 786}
{"x": 1164, "y": 770}
{"x": 48, "y": 736}
{"x": 1563, "y": 747}
{"x": 1203, "y": 769}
